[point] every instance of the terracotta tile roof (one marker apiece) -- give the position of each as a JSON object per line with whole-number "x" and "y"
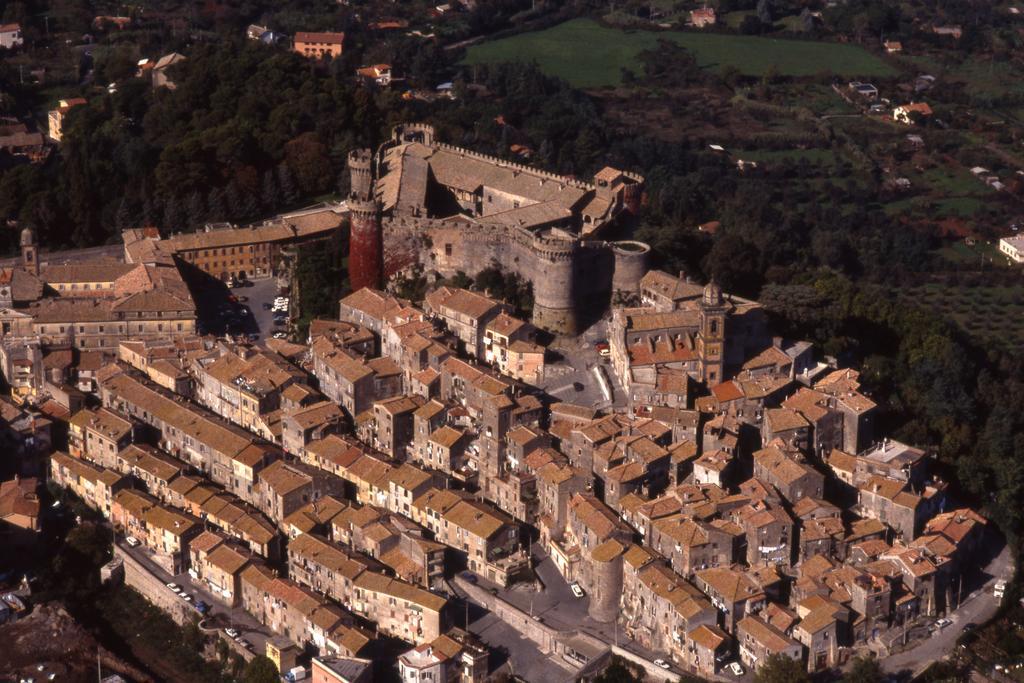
{"x": 228, "y": 559}
{"x": 282, "y": 478}
{"x": 730, "y": 585}
{"x": 206, "y": 541}
{"x": 727, "y": 391}
{"x": 608, "y": 551}
{"x": 313, "y": 548}
{"x": 784, "y": 420}
{"x": 594, "y": 515}
{"x": 373, "y": 303}
{"x": 460, "y": 301}
{"x": 477, "y": 518}
{"x": 708, "y": 637}
{"x": 766, "y": 635}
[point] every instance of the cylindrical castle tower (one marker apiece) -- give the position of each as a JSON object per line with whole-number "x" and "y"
{"x": 365, "y": 255}
{"x": 607, "y": 585}
{"x": 630, "y": 265}
{"x": 554, "y": 285}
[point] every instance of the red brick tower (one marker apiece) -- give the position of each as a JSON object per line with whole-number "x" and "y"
{"x": 365, "y": 258}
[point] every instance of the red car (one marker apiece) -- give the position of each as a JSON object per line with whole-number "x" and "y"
{"x": 603, "y": 349}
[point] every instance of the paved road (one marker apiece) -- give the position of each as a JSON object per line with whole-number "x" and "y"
{"x": 572, "y": 378}
{"x": 511, "y": 652}
{"x": 978, "y": 608}
{"x": 223, "y": 616}
{"x": 562, "y": 610}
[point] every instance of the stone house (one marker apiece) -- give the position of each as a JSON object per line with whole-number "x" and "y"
{"x": 467, "y": 315}
{"x": 789, "y": 474}
{"x": 659, "y": 607}
{"x": 95, "y": 485}
{"x": 99, "y": 435}
{"x": 769, "y": 533}
{"x": 786, "y": 426}
{"x": 732, "y": 592}
{"x": 692, "y": 545}
{"x": 889, "y": 501}
{"x": 302, "y": 426}
{"x": 392, "y": 424}
{"x": 758, "y": 640}
{"x": 284, "y": 487}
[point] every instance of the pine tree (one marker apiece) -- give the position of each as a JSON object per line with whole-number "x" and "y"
{"x": 174, "y": 215}
{"x": 196, "y": 210}
{"x": 271, "y": 192}
{"x": 123, "y": 218}
{"x": 287, "y": 183}
{"x": 234, "y": 201}
{"x": 215, "y": 206}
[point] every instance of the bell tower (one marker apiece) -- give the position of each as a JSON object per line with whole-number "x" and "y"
{"x": 711, "y": 335}
{"x": 29, "y": 251}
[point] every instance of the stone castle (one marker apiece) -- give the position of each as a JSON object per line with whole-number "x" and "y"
{"x": 448, "y": 209}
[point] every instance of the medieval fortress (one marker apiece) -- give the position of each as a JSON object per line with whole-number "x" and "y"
{"x": 449, "y": 209}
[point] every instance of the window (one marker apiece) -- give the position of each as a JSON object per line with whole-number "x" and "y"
{"x": 448, "y": 250}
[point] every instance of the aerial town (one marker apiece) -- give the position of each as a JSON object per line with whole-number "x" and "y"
{"x": 378, "y": 354}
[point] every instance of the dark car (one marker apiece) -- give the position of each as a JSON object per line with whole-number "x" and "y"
{"x": 266, "y": 306}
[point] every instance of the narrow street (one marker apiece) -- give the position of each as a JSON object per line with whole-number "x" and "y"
{"x": 976, "y": 609}
{"x": 221, "y": 615}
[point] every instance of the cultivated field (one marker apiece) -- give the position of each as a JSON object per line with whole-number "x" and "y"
{"x": 589, "y": 55}
{"x": 992, "y": 315}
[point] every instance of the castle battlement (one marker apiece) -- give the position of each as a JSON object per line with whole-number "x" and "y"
{"x": 523, "y": 168}
{"x": 573, "y": 275}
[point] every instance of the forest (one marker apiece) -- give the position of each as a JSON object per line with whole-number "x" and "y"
{"x": 251, "y": 130}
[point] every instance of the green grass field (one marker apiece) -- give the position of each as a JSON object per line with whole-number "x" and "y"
{"x": 589, "y": 55}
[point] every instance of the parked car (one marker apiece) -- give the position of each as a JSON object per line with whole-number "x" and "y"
{"x": 231, "y": 633}
{"x": 201, "y": 607}
{"x": 266, "y": 306}
{"x": 243, "y": 299}
{"x": 576, "y": 589}
{"x": 603, "y": 349}
{"x": 280, "y": 335}
{"x": 245, "y": 643}
{"x": 185, "y": 596}
{"x": 468, "y": 576}
{"x": 662, "y": 663}
{"x": 132, "y": 541}
{"x": 736, "y": 669}
{"x": 175, "y": 588}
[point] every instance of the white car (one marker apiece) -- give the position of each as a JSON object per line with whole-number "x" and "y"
{"x": 736, "y": 669}
{"x": 231, "y": 633}
{"x": 576, "y": 590}
{"x": 175, "y": 588}
{"x": 132, "y": 541}
{"x": 185, "y": 596}
{"x": 662, "y": 663}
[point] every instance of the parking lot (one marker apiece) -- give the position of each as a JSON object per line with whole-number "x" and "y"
{"x": 249, "y": 314}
